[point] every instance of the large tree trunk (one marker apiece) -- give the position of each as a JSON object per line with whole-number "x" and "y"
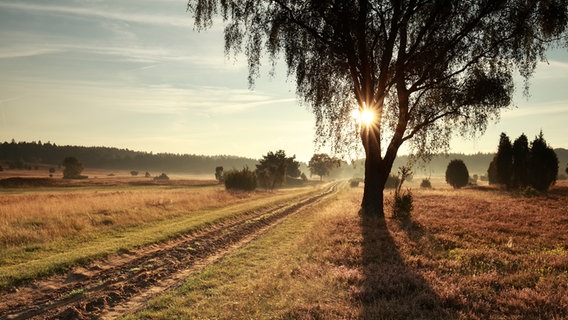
{"x": 376, "y": 174}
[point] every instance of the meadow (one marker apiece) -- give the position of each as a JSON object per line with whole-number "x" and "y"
{"x": 476, "y": 253}
{"x": 50, "y": 229}
{"x": 473, "y": 253}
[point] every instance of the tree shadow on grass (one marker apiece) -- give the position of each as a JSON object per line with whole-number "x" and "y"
{"x": 391, "y": 289}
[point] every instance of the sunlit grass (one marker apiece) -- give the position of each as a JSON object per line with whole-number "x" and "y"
{"x": 44, "y": 232}
{"x": 468, "y": 254}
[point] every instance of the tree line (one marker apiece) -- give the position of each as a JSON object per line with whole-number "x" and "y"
{"x": 29, "y": 155}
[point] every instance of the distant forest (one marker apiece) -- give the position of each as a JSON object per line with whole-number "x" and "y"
{"x": 33, "y": 154}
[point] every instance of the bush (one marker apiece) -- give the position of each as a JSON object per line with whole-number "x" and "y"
{"x": 426, "y": 184}
{"x": 163, "y": 176}
{"x": 240, "y": 180}
{"x": 402, "y": 205}
{"x": 354, "y": 182}
{"x": 456, "y": 174}
{"x": 134, "y": 173}
{"x": 392, "y": 182}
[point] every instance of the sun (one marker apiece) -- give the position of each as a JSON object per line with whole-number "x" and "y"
{"x": 364, "y": 117}
{"x": 367, "y": 117}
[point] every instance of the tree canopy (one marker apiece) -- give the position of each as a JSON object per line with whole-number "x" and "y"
{"x": 423, "y": 68}
{"x": 274, "y": 167}
{"x": 321, "y": 164}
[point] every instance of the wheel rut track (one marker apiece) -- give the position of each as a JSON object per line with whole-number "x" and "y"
{"x": 103, "y": 289}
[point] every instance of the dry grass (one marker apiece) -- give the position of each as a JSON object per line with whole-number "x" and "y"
{"x": 41, "y": 217}
{"x": 43, "y": 232}
{"x": 467, "y": 254}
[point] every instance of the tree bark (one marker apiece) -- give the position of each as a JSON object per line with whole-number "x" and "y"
{"x": 375, "y": 174}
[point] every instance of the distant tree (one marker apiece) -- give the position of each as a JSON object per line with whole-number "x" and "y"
{"x": 543, "y": 168}
{"x": 273, "y": 169}
{"x": 293, "y": 167}
{"x": 1, "y": 168}
{"x": 244, "y": 179}
{"x": 456, "y": 174}
{"x": 134, "y": 173}
{"x": 219, "y": 174}
{"x": 162, "y": 176}
{"x": 73, "y": 168}
{"x": 504, "y": 161}
{"x": 147, "y": 175}
{"x": 321, "y": 164}
{"x": 520, "y": 167}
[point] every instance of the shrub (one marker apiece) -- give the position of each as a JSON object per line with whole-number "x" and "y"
{"x": 392, "y": 182}
{"x": 456, "y": 174}
{"x": 402, "y": 205}
{"x": 134, "y": 173}
{"x": 354, "y": 182}
{"x": 240, "y": 180}
{"x": 426, "y": 184}
{"x": 163, "y": 176}
{"x": 147, "y": 175}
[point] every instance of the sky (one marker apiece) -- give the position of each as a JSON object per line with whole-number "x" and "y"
{"x": 136, "y": 74}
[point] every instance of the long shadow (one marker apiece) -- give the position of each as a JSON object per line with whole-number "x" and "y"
{"x": 391, "y": 289}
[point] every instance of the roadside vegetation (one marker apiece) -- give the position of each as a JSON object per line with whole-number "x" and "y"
{"x": 49, "y": 230}
{"x": 473, "y": 253}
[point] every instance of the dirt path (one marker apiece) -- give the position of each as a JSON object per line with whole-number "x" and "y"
{"x": 124, "y": 283}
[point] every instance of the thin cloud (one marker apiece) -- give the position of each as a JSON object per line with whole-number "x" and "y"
{"x": 556, "y": 107}
{"x": 25, "y": 52}
{"x": 153, "y": 19}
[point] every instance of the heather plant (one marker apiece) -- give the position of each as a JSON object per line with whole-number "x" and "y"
{"x": 244, "y": 179}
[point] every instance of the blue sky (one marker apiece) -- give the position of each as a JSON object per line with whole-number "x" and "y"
{"x": 135, "y": 74}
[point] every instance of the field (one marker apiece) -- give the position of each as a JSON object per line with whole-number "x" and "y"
{"x": 305, "y": 253}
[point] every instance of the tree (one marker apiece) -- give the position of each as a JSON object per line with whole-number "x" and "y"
{"x": 504, "y": 161}
{"x": 418, "y": 70}
{"x": 273, "y": 169}
{"x": 492, "y": 171}
{"x": 134, "y": 173}
{"x": 73, "y": 168}
{"x": 321, "y": 164}
{"x": 543, "y": 164}
{"x": 456, "y": 174}
{"x": 520, "y": 168}
{"x": 219, "y": 174}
